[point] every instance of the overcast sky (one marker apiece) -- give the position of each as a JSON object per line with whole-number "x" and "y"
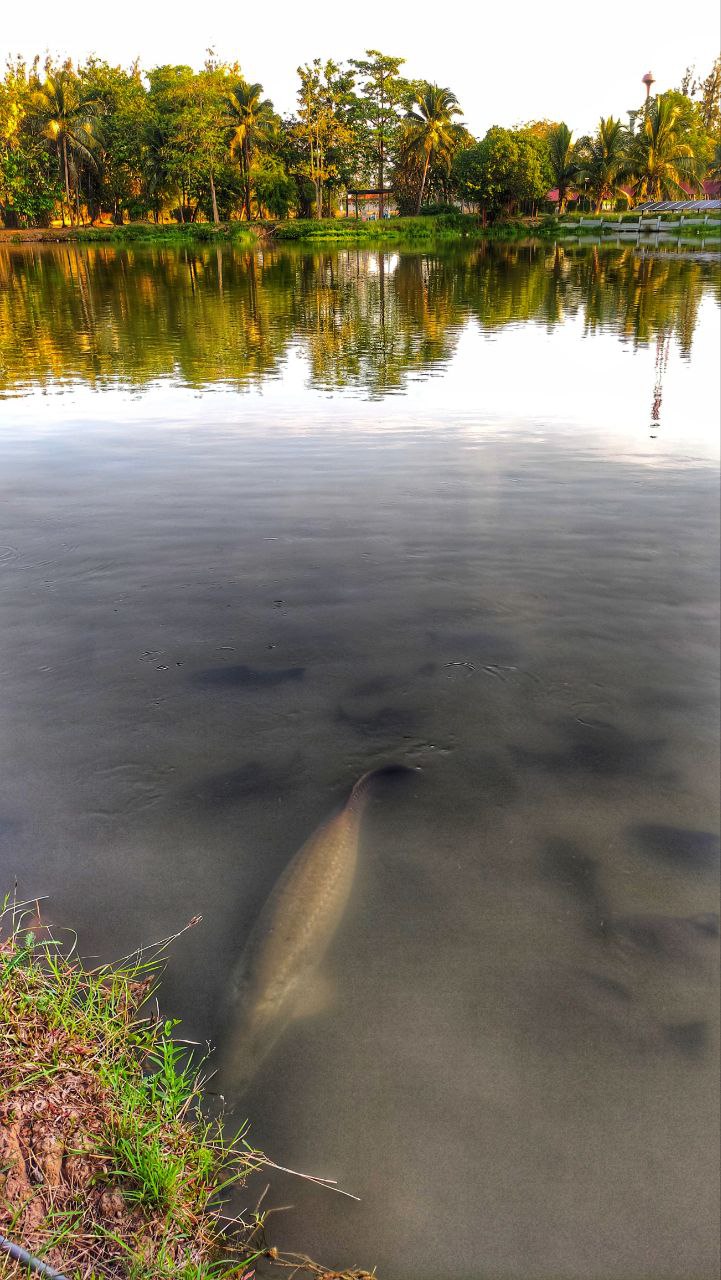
{"x": 507, "y": 63}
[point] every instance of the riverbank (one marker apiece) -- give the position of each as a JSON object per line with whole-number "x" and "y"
{"x": 691, "y": 227}
{"x": 108, "y": 1165}
{"x": 445, "y": 227}
{"x": 238, "y": 233}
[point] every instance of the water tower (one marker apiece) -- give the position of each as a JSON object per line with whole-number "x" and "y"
{"x": 648, "y": 80}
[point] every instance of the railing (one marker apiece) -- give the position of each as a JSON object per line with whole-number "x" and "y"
{"x": 651, "y": 224}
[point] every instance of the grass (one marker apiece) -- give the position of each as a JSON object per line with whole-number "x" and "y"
{"x": 170, "y": 233}
{"x": 108, "y": 1167}
{"x": 189, "y": 233}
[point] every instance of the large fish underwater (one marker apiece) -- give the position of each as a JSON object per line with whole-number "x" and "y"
{"x": 276, "y": 978}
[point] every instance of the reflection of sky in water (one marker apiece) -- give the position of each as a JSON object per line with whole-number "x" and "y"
{"x": 521, "y": 378}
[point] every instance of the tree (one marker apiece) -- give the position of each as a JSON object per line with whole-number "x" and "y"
{"x": 708, "y": 94}
{"x": 508, "y": 166}
{"x": 383, "y": 93}
{"x": 274, "y": 190}
{"x": 324, "y": 126}
{"x": 249, "y": 117}
{"x": 661, "y": 157}
{"x": 67, "y": 113}
{"x": 120, "y": 107}
{"x": 30, "y": 186}
{"x": 562, "y": 159}
{"x": 603, "y": 162}
{"x": 430, "y": 134}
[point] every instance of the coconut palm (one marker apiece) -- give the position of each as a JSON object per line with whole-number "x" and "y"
{"x": 563, "y": 161}
{"x": 604, "y": 161}
{"x": 250, "y": 119}
{"x": 662, "y": 160}
{"x": 67, "y": 113}
{"x": 430, "y": 134}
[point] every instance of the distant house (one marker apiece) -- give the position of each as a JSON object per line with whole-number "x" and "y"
{"x": 711, "y": 191}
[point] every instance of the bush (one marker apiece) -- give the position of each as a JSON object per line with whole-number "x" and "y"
{"x": 433, "y": 210}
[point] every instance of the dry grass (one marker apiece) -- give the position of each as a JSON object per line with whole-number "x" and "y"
{"x": 107, "y": 1166}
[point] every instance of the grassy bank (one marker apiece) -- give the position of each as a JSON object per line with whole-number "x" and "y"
{"x": 108, "y": 1167}
{"x": 192, "y": 233}
{"x": 448, "y": 226}
{"x": 427, "y": 229}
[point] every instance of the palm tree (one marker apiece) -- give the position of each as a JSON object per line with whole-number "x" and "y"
{"x": 67, "y": 113}
{"x": 250, "y": 118}
{"x": 662, "y": 161}
{"x": 604, "y": 162}
{"x": 430, "y": 132}
{"x": 564, "y": 165}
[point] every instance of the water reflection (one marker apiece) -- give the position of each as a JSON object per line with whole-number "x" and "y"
{"x": 364, "y": 320}
{"x": 220, "y": 610}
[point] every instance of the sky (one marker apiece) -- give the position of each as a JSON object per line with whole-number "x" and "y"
{"x": 506, "y": 65}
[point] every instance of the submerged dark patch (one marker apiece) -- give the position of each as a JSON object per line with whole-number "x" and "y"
{"x": 690, "y": 1038}
{"x": 385, "y": 721}
{"x": 670, "y": 938}
{"x": 680, "y": 846}
{"x": 578, "y": 874}
{"x": 242, "y": 677}
{"x": 596, "y": 749}
{"x": 371, "y": 688}
{"x": 218, "y": 790}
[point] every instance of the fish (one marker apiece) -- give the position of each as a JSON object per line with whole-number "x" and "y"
{"x": 276, "y": 977}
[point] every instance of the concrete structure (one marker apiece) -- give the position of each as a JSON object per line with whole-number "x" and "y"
{"x": 367, "y": 203}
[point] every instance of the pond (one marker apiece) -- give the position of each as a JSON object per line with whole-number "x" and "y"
{"x": 272, "y": 519}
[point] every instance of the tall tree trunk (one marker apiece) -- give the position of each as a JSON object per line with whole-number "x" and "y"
{"x": 216, "y": 217}
{"x": 423, "y": 183}
{"x": 246, "y": 166}
{"x": 67, "y": 181}
{"x": 381, "y": 158}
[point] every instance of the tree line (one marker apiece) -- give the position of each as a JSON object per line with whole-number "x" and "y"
{"x": 82, "y": 143}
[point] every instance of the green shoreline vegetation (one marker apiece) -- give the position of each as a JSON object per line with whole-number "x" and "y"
{"x": 399, "y": 232}
{"x": 108, "y": 1166}
{"x": 99, "y": 145}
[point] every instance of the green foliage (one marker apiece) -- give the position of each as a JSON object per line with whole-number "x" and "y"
{"x": 429, "y": 141}
{"x": 384, "y": 92}
{"x": 275, "y": 191}
{"x": 99, "y": 141}
{"x": 669, "y": 153}
{"x": 452, "y": 225}
{"x": 433, "y": 210}
{"x": 506, "y": 168}
{"x": 124, "y": 1094}
{"x": 604, "y": 163}
{"x": 562, "y": 161}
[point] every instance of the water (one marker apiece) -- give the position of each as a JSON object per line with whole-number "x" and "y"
{"x": 270, "y": 520}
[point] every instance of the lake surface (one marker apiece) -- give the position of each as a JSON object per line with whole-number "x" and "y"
{"x": 270, "y": 520}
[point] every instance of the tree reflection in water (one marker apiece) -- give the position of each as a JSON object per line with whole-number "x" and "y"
{"x": 364, "y": 319}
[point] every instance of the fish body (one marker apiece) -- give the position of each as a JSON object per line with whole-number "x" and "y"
{"x": 276, "y": 971}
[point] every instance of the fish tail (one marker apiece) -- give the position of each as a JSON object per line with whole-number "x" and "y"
{"x": 360, "y": 790}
